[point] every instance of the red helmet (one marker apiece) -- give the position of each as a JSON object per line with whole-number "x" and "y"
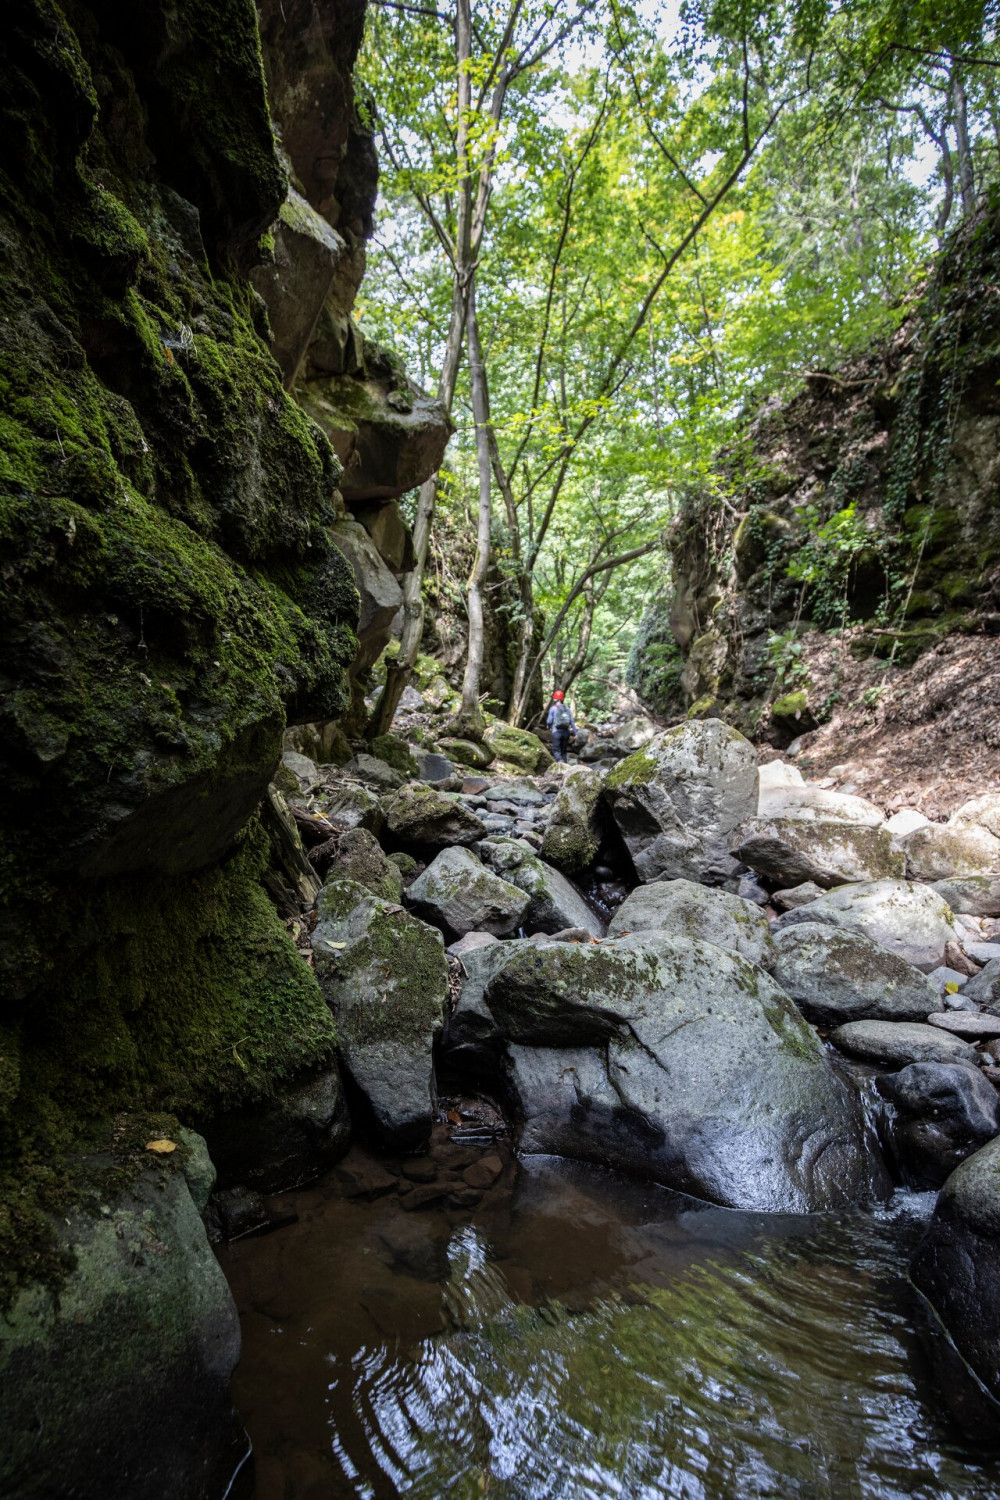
{"x": 559, "y": 695}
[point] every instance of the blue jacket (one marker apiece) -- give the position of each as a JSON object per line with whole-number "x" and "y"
{"x": 551, "y": 715}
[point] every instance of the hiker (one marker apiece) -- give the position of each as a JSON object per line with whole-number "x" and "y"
{"x": 560, "y": 720}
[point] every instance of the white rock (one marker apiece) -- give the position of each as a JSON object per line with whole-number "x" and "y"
{"x": 816, "y": 804}
{"x": 685, "y": 909}
{"x": 777, "y": 773}
{"x": 907, "y": 820}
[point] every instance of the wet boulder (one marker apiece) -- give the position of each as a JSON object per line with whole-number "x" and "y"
{"x": 836, "y": 975}
{"x": 909, "y": 919}
{"x": 291, "y": 1140}
{"x": 939, "y": 852}
{"x": 421, "y": 818}
{"x": 943, "y": 1113}
{"x": 458, "y": 893}
{"x": 957, "y": 1269}
{"x": 696, "y": 911}
{"x": 896, "y": 1043}
{"x": 677, "y": 800}
{"x": 671, "y": 1059}
{"x": 385, "y": 976}
{"x": 118, "y": 1384}
{"x": 553, "y": 903}
{"x": 795, "y": 850}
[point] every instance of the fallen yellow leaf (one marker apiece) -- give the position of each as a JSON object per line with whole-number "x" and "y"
{"x": 162, "y": 1147}
{"x": 951, "y": 988}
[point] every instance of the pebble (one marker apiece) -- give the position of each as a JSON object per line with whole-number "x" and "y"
{"x": 483, "y": 1173}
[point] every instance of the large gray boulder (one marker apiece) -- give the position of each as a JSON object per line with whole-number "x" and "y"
{"x": 794, "y": 850}
{"x": 896, "y": 1043}
{"x": 116, "y": 1382}
{"x": 697, "y": 911}
{"x": 420, "y": 818}
{"x": 553, "y": 903}
{"x": 910, "y": 919}
{"x": 943, "y": 1112}
{"x": 357, "y": 855}
{"x": 385, "y": 977}
{"x": 572, "y": 836}
{"x": 459, "y": 893}
{"x": 939, "y": 852}
{"x": 674, "y": 1060}
{"x": 957, "y": 1269}
{"x": 677, "y": 800}
{"x": 972, "y": 895}
{"x": 379, "y": 592}
{"x": 836, "y": 975}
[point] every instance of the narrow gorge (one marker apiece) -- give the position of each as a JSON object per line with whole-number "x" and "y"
{"x": 390, "y": 1104}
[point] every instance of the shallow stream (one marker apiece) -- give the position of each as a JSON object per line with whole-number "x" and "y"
{"x": 576, "y": 1336}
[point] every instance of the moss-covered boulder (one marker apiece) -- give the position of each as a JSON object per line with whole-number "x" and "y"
{"x": 358, "y": 857}
{"x": 517, "y": 747}
{"x": 385, "y": 976}
{"x": 419, "y": 818}
{"x": 910, "y": 919}
{"x": 351, "y": 806}
{"x": 459, "y": 894}
{"x": 835, "y": 975}
{"x": 467, "y": 752}
{"x": 143, "y": 1326}
{"x": 573, "y": 833}
{"x": 792, "y": 850}
{"x": 396, "y": 753}
{"x": 939, "y": 852}
{"x": 677, "y": 800}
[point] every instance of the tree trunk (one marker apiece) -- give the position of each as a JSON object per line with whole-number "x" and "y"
{"x": 481, "y": 415}
{"x": 966, "y": 173}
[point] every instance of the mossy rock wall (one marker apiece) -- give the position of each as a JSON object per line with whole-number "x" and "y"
{"x": 169, "y": 594}
{"x": 868, "y": 496}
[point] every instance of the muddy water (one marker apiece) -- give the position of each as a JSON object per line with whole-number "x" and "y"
{"x": 574, "y": 1335}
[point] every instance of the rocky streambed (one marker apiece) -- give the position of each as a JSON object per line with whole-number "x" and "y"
{"x": 655, "y": 1070}
{"x": 658, "y": 1156}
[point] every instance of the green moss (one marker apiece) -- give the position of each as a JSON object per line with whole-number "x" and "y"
{"x": 393, "y": 750}
{"x": 635, "y": 770}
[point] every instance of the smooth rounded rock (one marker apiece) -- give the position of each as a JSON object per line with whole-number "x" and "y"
{"x": 685, "y": 909}
{"x": 966, "y": 1023}
{"x": 896, "y": 1043}
{"x": 910, "y": 919}
{"x": 941, "y": 852}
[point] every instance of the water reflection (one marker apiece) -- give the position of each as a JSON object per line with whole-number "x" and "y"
{"x": 584, "y": 1339}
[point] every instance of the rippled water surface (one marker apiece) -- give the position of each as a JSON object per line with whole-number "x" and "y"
{"x": 580, "y": 1337}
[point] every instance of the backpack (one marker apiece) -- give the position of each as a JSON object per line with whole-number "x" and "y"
{"x": 562, "y": 718}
